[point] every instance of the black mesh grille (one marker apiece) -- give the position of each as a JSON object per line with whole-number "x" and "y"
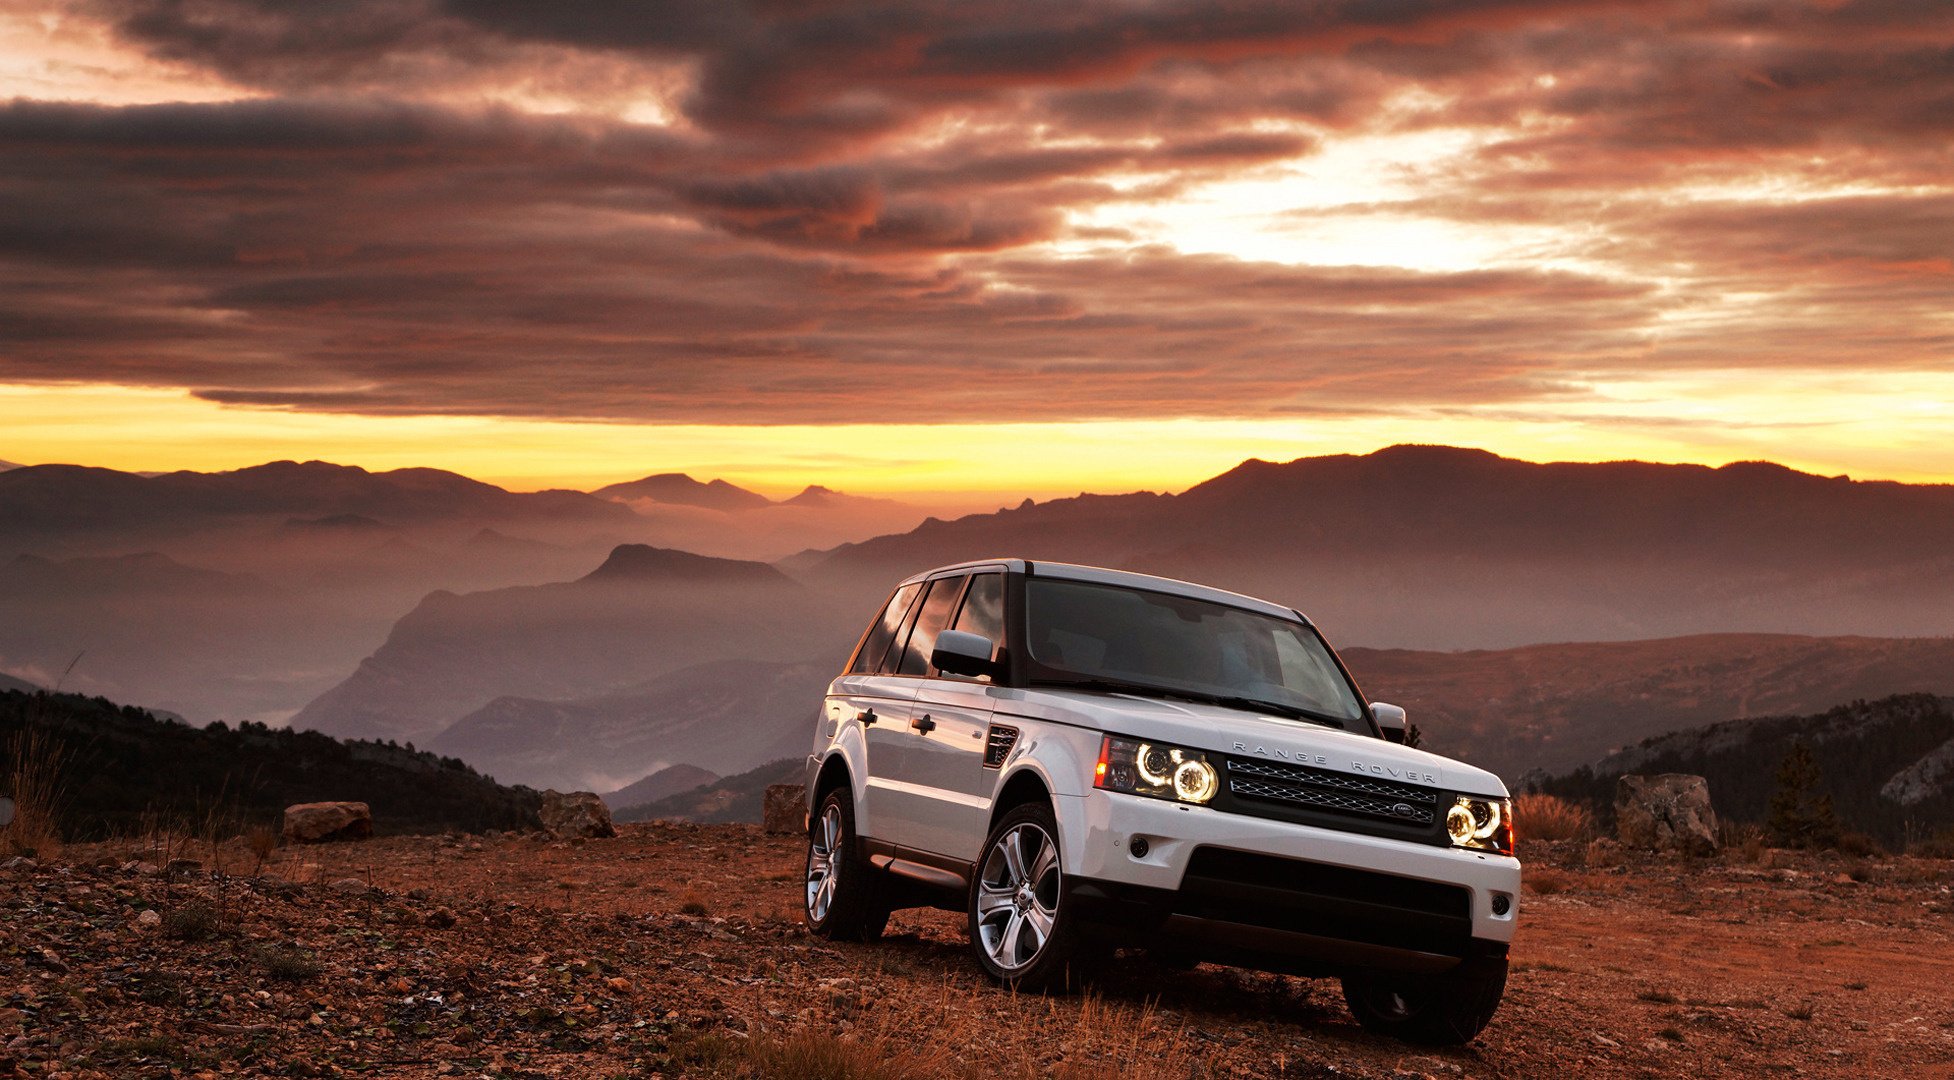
{"x": 1322, "y": 789}
{"x": 1333, "y": 901}
{"x": 997, "y": 746}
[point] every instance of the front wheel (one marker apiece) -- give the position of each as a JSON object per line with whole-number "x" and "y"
{"x": 1021, "y": 925}
{"x": 846, "y": 898}
{"x": 1443, "y": 1010}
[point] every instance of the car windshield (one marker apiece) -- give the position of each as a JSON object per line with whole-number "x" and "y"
{"x": 1117, "y": 638}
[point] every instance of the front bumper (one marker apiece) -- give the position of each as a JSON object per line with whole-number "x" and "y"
{"x": 1342, "y": 898}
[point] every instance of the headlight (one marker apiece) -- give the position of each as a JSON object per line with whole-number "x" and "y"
{"x": 1155, "y": 769}
{"x": 1485, "y": 824}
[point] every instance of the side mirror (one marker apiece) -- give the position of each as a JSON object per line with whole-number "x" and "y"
{"x": 960, "y": 652}
{"x": 1390, "y": 719}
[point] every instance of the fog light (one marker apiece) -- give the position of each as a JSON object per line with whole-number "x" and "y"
{"x": 1502, "y": 903}
{"x": 1138, "y": 846}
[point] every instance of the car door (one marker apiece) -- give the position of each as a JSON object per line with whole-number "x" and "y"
{"x": 897, "y": 798}
{"x": 951, "y": 717}
{"x": 872, "y": 696}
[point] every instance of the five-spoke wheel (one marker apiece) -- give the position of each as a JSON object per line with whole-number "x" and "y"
{"x": 846, "y": 897}
{"x": 1019, "y": 925}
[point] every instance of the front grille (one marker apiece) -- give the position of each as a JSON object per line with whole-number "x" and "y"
{"x": 1339, "y": 793}
{"x": 997, "y": 746}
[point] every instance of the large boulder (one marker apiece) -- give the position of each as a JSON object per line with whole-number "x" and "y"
{"x": 576, "y": 814}
{"x": 318, "y": 822}
{"x": 1670, "y": 813}
{"x": 784, "y": 808}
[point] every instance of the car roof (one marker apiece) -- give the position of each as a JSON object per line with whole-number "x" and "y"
{"x": 1102, "y": 576}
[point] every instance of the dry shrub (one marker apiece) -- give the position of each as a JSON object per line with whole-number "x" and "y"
{"x": 814, "y": 1055}
{"x": 1858, "y": 845}
{"x": 34, "y": 777}
{"x": 196, "y": 920}
{"x": 1544, "y": 882}
{"x": 1539, "y": 816}
{"x": 289, "y": 963}
{"x": 1938, "y": 846}
{"x": 1742, "y": 841}
{"x": 261, "y": 841}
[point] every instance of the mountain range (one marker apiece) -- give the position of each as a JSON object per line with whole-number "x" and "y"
{"x": 643, "y": 613}
{"x": 1443, "y": 548}
{"x": 561, "y": 637}
{"x": 1555, "y": 707}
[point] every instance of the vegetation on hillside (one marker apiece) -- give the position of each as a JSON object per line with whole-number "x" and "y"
{"x": 124, "y": 770}
{"x": 1809, "y": 780}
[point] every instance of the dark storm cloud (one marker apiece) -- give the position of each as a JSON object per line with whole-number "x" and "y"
{"x": 846, "y": 205}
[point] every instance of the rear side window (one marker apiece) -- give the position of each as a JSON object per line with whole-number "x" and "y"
{"x": 983, "y": 608}
{"x": 876, "y": 644}
{"x": 937, "y": 606}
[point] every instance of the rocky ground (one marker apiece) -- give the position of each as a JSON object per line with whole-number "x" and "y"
{"x": 677, "y": 950}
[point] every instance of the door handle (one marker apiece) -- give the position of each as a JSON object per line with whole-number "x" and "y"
{"x": 867, "y": 717}
{"x": 923, "y": 724}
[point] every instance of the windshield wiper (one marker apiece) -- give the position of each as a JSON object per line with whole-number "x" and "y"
{"x": 1293, "y": 712}
{"x": 1249, "y": 704}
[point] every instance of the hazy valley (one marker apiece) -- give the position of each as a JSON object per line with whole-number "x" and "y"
{"x": 569, "y": 639}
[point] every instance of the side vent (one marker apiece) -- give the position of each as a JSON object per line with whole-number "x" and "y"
{"x": 998, "y": 744}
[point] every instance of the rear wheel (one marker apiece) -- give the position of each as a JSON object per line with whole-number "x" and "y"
{"x": 1443, "y": 1010}
{"x": 1021, "y": 925}
{"x": 846, "y": 896}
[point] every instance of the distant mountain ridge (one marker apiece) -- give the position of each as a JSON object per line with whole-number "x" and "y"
{"x": 48, "y": 498}
{"x": 729, "y": 798}
{"x": 1555, "y": 707}
{"x": 645, "y": 613}
{"x": 1439, "y": 547}
{"x": 679, "y": 489}
{"x": 724, "y": 715}
{"x": 670, "y": 780}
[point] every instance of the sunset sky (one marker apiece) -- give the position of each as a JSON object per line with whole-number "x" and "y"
{"x": 974, "y": 246}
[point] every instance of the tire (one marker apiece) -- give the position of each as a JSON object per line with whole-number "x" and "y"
{"x": 1443, "y": 1010}
{"x": 1021, "y": 925}
{"x": 844, "y": 897}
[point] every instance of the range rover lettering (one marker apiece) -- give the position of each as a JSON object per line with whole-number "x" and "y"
{"x": 1080, "y": 759}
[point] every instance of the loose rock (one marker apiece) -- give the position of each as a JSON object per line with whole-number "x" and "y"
{"x": 1669, "y": 813}
{"x": 313, "y": 823}
{"x": 576, "y": 813}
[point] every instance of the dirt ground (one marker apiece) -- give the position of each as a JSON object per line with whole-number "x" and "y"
{"x": 677, "y": 950}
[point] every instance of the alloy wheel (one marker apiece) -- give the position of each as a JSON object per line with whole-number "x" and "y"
{"x": 822, "y": 863}
{"x": 1017, "y": 897}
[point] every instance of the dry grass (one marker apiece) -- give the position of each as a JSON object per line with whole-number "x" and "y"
{"x": 34, "y": 778}
{"x": 1545, "y": 882}
{"x": 1938, "y": 846}
{"x": 1743, "y": 842}
{"x": 1550, "y": 817}
{"x": 261, "y": 841}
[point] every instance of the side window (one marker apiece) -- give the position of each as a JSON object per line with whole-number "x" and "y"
{"x": 983, "y": 608}
{"x": 937, "y": 606}
{"x": 876, "y": 644}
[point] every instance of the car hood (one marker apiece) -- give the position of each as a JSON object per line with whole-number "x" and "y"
{"x": 1225, "y": 730}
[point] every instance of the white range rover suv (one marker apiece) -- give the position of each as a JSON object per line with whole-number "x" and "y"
{"x": 1080, "y": 759}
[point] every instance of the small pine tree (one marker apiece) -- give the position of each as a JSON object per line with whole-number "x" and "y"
{"x": 1412, "y": 736}
{"x": 1801, "y": 815}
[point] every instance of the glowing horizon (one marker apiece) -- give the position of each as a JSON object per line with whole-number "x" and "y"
{"x": 949, "y": 465}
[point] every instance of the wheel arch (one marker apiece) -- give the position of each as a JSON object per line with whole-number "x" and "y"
{"x": 834, "y": 773}
{"x": 1026, "y": 785}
